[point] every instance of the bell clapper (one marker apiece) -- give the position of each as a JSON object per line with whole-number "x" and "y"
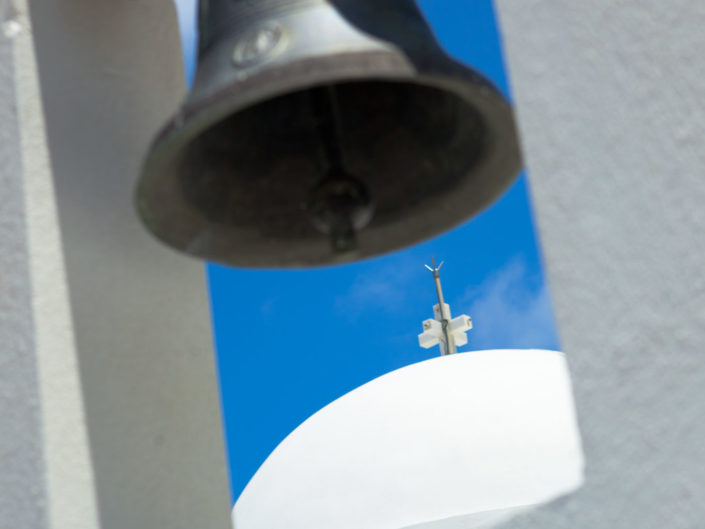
{"x": 339, "y": 204}
{"x": 339, "y": 207}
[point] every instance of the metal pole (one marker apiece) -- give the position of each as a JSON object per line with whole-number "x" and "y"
{"x": 450, "y": 347}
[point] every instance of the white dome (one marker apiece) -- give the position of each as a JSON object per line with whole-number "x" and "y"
{"x": 478, "y": 435}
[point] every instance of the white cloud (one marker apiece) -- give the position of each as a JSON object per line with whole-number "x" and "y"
{"x": 508, "y": 312}
{"x": 383, "y": 288}
{"x": 510, "y": 309}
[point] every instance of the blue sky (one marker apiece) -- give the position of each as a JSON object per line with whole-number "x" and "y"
{"x": 288, "y": 343}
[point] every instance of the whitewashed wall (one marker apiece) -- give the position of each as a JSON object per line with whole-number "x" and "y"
{"x": 609, "y": 97}
{"x": 108, "y": 397}
{"x": 610, "y": 100}
{"x": 23, "y": 494}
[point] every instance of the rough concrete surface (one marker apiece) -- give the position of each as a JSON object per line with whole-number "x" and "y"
{"x": 68, "y": 475}
{"x": 108, "y": 393}
{"x": 610, "y": 105}
{"x": 111, "y": 74}
{"x": 23, "y": 494}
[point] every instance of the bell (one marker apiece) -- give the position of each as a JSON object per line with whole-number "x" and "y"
{"x": 323, "y": 131}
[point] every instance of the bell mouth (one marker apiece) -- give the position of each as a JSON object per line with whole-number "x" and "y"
{"x": 406, "y": 143}
{"x": 427, "y": 156}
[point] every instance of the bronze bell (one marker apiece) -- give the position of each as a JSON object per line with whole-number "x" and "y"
{"x": 323, "y": 131}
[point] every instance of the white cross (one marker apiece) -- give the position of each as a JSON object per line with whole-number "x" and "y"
{"x": 433, "y": 331}
{"x": 453, "y": 334}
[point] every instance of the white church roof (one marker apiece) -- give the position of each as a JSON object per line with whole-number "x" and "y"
{"x": 468, "y": 438}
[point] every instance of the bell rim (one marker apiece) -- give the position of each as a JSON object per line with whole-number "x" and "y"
{"x": 200, "y": 114}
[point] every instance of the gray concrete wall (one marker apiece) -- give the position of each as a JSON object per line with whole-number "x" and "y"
{"x": 47, "y": 478}
{"x": 109, "y": 403}
{"x": 23, "y": 494}
{"x": 111, "y": 73}
{"x": 610, "y": 104}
